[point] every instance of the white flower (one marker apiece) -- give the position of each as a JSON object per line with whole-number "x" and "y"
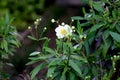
{"x": 63, "y": 31}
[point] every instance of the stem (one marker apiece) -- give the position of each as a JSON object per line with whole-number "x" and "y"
{"x": 69, "y": 53}
{"x": 36, "y": 34}
{"x": 68, "y": 56}
{"x": 100, "y": 70}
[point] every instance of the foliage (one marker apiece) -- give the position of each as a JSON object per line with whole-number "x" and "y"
{"x": 8, "y": 39}
{"x": 24, "y": 11}
{"x": 91, "y": 52}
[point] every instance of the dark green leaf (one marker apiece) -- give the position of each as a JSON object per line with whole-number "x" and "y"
{"x": 50, "y": 71}
{"x": 37, "y": 69}
{"x": 95, "y": 72}
{"x": 63, "y": 77}
{"x": 71, "y": 76}
{"x": 98, "y": 6}
{"x": 49, "y": 50}
{"x": 75, "y": 67}
{"x": 31, "y": 62}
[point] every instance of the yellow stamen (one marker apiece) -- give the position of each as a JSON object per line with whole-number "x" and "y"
{"x": 63, "y": 32}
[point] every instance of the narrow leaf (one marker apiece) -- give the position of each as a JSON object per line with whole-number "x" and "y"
{"x": 75, "y": 67}
{"x": 115, "y": 36}
{"x": 34, "y": 53}
{"x": 37, "y": 69}
{"x": 77, "y": 18}
{"x": 50, "y": 71}
{"x": 96, "y": 26}
{"x": 32, "y": 38}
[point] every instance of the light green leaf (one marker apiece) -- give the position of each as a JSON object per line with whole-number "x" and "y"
{"x": 34, "y": 53}
{"x": 4, "y": 45}
{"x": 115, "y": 36}
{"x": 77, "y": 18}
{"x": 32, "y": 38}
{"x": 96, "y": 26}
{"x": 44, "y": 38}
{"x": 42, "y": 57}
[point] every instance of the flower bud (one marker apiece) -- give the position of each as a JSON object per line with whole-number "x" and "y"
{"x": 52, "y": 20}
{"x": 62, "y": 23}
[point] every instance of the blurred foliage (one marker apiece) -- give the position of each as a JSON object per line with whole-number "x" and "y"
{"x": 24, "y": 11}
{"x": 8, "y": 42}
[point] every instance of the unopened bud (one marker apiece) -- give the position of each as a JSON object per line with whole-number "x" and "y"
{"x": 45, "y": 28}
{"x": 81, "y": 36}
{"x": 36, "y": 23}
{"x": 29, "y": 27}
{"x": 73, "y": 27}
{"x": 72, "y": 20}
{"x": 62, "y": 23}
{"x": 52, "y": 20}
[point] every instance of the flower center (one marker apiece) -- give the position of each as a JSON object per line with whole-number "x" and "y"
{"x": 63, "y": 31}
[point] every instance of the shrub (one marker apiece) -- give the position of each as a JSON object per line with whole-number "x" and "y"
{"x": 86, "y": 51}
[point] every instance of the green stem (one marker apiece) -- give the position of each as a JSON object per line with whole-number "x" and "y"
{"x": 69, "y": 53}
{"x": 68, "y": 56}
{"x": 37, "y": 37}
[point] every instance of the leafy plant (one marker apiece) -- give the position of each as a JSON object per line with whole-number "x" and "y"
{"x": 8, "y": 40}
{"x": 86, "y": 51}
{"x": 30, "y": 10}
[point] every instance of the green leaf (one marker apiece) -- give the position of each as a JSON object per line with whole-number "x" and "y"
{"x": 4, "y": 45}
{"x": 96, "y": 26}
{"x": 50, "y": 71}
{"x": 77, "y": 18}
{"x": 71, "y": 76}
{"x": 79, "y": 58}
{"x": 37, "y": 69}
{"x": 115, "y": 36}
{"x": 44, "y": 38}
{"x": 31, "y": 62}
{"x": 118, "y": 28}
{"x": 32, "y": 38}
{"x": 42, "y": 57}
{"x": 49, "y": 50}
{"x": 34, "y": 53}
{"x": 87, "y": 48}
{"x": 114, "y": 15}
{"x": 14, "y": 42}
{"x": 75, "y": 67}
{"x": 63, "y": 77}
{"x": 98, "y": 6}
{"x": 55, "y": 61}
{"x": 95, "y": 72}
